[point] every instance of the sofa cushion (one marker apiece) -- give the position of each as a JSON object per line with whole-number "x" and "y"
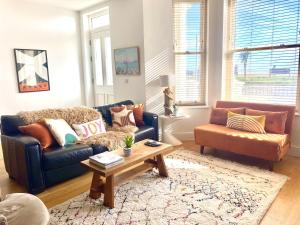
{"x": 62, "y": 132}
{"x": 145, "y": 132}
{"x": 138, "y": 112}
{"x": 254, "y": 124}
{"x": 275, "y": 121}
{"x": 105, "y": 110}
{"x": 89, "y": 129}
{"x": 121, "y": 116}
{"x": 219, "y": 115}
{"x": 267, "y": 146}
{"x": 58, "y": 157}
{"x": 40, "y": 132}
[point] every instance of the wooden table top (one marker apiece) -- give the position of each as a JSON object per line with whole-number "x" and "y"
{"x": 140, "y": 153}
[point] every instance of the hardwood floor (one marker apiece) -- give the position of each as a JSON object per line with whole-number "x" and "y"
{"x": 285, "y": 210}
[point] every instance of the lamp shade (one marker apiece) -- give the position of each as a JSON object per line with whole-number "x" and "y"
{"x": 164, "y": 80}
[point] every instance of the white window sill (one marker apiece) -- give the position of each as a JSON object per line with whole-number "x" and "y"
{"x": 194, "y": 106}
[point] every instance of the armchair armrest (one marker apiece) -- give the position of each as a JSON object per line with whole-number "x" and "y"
{"x": 22, "y": 158}
{"x": 151, "y": 119}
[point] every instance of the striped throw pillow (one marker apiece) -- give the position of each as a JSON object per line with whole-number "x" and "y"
{"x": 254, "y": 124}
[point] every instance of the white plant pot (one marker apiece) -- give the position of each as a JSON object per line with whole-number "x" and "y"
{"x": 127, "y": 151}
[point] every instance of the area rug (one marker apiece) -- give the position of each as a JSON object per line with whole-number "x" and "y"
{"x": 200, "y": 190}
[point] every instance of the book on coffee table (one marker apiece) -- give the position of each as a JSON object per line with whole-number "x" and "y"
{"x": 106, "y": 159}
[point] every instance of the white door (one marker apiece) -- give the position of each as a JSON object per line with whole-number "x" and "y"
{"x": 102, "y": 68}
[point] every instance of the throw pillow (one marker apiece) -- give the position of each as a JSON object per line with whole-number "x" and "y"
{"x": 121, "y": 116}
{"x": 61, "y": 131}
{"x": 275, "y": 121}
{"x": 219, "y": 115}
{"x": 89, "y": 129}
{"x": 253, "y": 124}
{"x": 138, "y": 113}
{"x": 40, "y": 132}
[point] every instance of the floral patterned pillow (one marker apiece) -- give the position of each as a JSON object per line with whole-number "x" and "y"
{"x": 121, "y": 116}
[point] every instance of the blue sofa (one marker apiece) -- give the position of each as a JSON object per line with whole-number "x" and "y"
{"x": 27, "y": 164}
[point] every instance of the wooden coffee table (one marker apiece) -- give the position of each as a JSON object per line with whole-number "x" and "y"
{"x": 143, "y": 158}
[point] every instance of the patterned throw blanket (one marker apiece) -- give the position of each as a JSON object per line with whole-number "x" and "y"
{"x": 112, "y": 139}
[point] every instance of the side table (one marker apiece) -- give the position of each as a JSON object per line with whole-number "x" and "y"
{"x": 166, "y": 126}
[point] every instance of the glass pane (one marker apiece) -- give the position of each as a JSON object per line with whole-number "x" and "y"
{"x": 187, "y": 26}
{"x": 100, "y": 21}
{"x": 98, "y": 62}
{"x": 108, "y": 63}
{"x": 265, "y": 76}
{"x": 265, "y": 23}
{"x": 188, "y": 78}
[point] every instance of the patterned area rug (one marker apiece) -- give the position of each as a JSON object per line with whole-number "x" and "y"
{"x": 200, "y": 190}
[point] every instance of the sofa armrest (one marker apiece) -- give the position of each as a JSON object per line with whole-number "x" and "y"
{"x": 151, "y": 119}
{"x": 22, "y": 158}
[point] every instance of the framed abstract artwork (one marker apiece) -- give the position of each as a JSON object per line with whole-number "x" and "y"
{"x": 127, "y": 61}
{"x": 32, "y": 70}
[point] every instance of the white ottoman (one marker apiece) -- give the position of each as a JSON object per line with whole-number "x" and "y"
{"x": 21, "y": 209}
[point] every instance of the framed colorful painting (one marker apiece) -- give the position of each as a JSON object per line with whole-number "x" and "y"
{"x": 32, "y": 70}
{"x": 127, "y": 61}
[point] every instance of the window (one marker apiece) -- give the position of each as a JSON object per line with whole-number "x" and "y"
{"x": 101, "y": 48}
{"x": 263, "y": 55}
{"x": 189, "y": 51}
{"x": 100, "y": 19}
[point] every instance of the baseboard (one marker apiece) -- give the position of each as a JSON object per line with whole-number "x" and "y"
{"x": 184, "y": 136}
{"x": 294, "y": 151}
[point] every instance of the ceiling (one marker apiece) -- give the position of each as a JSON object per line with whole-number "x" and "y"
{"x": 69, "y": 4}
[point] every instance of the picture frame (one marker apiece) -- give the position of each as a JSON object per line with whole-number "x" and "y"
{"x": 32, "y": 70}
{"x": 127, "y": 61}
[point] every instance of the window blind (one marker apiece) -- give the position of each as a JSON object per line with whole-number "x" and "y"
{"x": 189, "y": 18}
{"x": 263, "y": 54}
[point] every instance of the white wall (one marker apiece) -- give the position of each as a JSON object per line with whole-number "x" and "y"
{"x": 126, "y": 19}
{"x": 35, "y": 26}
{"x": 158, "y": 43}
{"x": 158, "y": 50}
{"x": 126, "y": 30}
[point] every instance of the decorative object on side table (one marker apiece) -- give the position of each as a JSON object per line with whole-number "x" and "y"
{"x": 129, "y": 141}
{"x": 127, "y": 61}
{"x": 165, "y": 81}
{"x": 32, "y": 70}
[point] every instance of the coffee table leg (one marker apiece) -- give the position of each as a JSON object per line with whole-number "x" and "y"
{"x": 161, "y": 166}
{"x": 95, "y": 191}
{"x": 109, "y": 192}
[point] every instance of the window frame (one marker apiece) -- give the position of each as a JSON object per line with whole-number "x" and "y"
{"x": 230, "y": 52}
{"x": 202, "y": 54}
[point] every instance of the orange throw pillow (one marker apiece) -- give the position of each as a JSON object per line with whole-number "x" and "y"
{"x": 219, "y": 115}
{"x": 275, "y": 121}
{"x": 138, "y": 113}
{"x": 40, "y": 132}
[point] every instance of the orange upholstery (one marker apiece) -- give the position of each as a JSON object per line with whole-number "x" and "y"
{"x": 265, "y": 146}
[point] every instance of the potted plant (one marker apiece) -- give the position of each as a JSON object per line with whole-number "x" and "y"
{"x": 128, "y": 141}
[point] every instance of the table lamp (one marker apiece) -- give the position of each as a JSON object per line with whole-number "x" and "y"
{"x": 165, "y": 82}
